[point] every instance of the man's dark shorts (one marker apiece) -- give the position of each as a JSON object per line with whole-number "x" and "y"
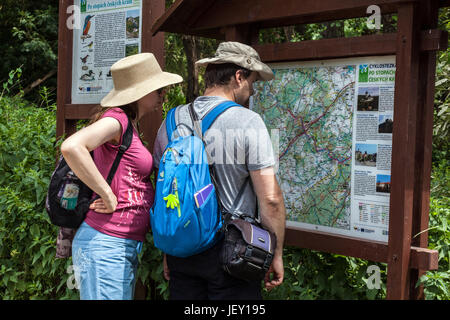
{"x": 201, "y": 277}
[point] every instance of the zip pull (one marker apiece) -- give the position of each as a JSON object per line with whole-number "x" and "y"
{"x": 175, "y": 156}
{"x": 175, "y": 188}
{"x": 164, "y": 156}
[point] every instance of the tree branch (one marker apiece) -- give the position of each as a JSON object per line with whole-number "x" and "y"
{"x": 37, "y": 82}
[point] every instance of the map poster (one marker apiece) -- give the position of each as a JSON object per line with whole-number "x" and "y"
{"x": 109, "y": 31}
{"x": 333, "y": 120}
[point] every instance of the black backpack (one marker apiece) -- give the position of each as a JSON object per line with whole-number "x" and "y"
{"x": 68, "y": 198}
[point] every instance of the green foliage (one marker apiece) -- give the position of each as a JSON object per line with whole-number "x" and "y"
{"x": 11, "y": 82}
{"x": 441, "y": 128}
{"x": 176, "y": 60}
{"x": 28, "y": 38}
{"x": 437, "y": 283}
{"x": 27, "y": 239}
{"x": 440, "y": 179}
{"x": 174, "y": 97}
{"x": 311, "y": 275}
{"x": 150, "y": 271}
{"x": 333, "y": 29}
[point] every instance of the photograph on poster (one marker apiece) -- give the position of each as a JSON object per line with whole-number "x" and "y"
{"x": 383, "y": 183}
{"x": 131, "y": 49}
{"x": 385, "y": 123}
{"x": 133, "y": 23}
{"x": 366, "y": 155}
{"x": 368, "y": 98}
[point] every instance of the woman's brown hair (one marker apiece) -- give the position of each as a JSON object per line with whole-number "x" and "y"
{"x": 131, "y": 110}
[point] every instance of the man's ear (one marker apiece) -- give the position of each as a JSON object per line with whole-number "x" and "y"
{"x": 239, "y": 77}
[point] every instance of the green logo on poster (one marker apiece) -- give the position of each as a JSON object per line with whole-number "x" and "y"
{"x": 83, "y": 5}
{"x": 363, "y": 73}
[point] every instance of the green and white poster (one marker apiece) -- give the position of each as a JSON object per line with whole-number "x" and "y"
{"x": 108, "y": 31}
{"x": 334, "y": 120}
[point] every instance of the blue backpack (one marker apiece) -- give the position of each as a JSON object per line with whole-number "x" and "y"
{"x": 186, "y": 218}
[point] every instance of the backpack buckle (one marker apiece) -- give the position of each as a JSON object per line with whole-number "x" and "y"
{"x": 122, "y": 148}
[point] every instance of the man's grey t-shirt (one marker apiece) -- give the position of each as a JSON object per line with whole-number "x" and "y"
{"x": 237, "y": 142}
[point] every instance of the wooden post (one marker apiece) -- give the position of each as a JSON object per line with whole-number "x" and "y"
{"x": 64, "y": 82}
{"x": 428, "y": 20}
{"x": 403, "y": 159}
{"x": 235, "y": 33}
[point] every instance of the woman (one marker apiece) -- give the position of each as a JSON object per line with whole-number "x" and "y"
{"x": 106, "y": 245}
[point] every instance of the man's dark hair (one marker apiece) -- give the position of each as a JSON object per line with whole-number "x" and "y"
{"x": 221, "y": 74}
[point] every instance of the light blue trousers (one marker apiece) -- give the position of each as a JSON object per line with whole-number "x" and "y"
{"x": 105, "y": 266}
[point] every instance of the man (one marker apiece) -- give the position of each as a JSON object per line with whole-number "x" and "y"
{"x": 242, "y": 149}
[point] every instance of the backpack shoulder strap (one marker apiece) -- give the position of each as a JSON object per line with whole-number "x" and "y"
{"x": 126, "y": 142}
{"x": 170, "y": 123}
{"x": 206, "y": 122}
{"x": 211, "y": 116}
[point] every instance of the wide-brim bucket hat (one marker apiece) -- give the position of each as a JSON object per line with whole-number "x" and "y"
{"x": 242, "y": 55}
{"x": 136, "y": 76}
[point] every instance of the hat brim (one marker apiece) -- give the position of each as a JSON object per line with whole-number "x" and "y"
{"x": 116, "y": 98}
{"x": 263, "y": 71}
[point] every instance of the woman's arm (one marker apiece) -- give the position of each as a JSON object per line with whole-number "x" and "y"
{"x": 75, "y": 150}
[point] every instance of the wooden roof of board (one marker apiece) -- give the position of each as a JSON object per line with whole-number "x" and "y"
{"x": 207, "y": 18}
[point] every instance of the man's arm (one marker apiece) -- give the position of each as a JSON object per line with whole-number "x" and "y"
{"x": 273, "y": 217}
{"x": 160, "y": 144}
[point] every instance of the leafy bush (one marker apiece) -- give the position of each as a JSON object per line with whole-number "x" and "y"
{"x": 441, "y": 128}
{"x": 29, "y": 38}
{"x": 311, "y": 275}
{"x": 174, "y": 98}
{"x": 27, "y": 238}
{"x": 437, "y": 283}
{"x": 150, "y": 271}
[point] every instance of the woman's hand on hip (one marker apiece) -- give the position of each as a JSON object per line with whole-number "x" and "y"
{"x": 106, "y": 204}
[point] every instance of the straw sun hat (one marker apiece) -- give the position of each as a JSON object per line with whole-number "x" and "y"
{"x": 241, "y": 55}
{"x": 136, "y": 76}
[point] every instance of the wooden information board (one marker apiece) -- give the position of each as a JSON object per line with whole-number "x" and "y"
{"x": 414, "y": 47}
